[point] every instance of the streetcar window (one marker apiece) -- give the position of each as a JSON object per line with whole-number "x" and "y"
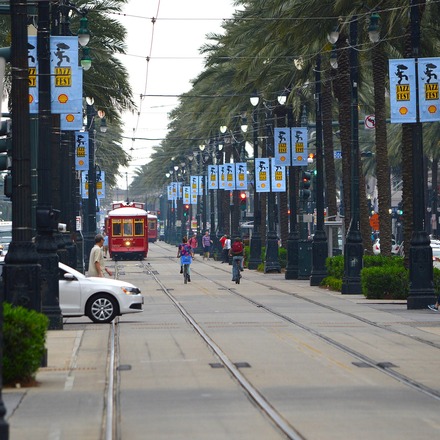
{"x": 128, "y": 227}
{"x": 116, "y": 228}
{"x": 152, "y": 226}
{"x": 138, "y": 227}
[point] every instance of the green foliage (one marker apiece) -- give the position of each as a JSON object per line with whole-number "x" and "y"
{"x": 282, "y": 257}
{"x": 24, "y": 334}
{"x": 332, "y": 283}
{"x": 380, "y": 260}
{"x": 389, "y": 281}
{"x": 335, "y": 266}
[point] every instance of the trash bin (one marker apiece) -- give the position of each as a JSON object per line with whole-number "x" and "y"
{"x": 304, "y": 259}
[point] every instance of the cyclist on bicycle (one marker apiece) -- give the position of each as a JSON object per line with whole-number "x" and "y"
{"x": 237, "y": 253}
{"x": 185, "y": 252}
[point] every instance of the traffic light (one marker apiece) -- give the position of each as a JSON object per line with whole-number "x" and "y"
{"x": 305, "y": 185}
{"x": 5, "y": 151}
{"x": 185, "y": 210}
{"x": 243, "y": 201}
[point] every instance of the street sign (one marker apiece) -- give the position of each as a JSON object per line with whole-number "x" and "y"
{"x": 374, "y": 221}
{"x": 370, "y": 122}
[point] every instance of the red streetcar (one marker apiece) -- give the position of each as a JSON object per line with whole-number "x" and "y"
{"x": 152, "y": 227}
{"x": 127, "y": 230}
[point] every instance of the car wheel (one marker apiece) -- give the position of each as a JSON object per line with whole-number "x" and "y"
{"x": 102, "y": 308}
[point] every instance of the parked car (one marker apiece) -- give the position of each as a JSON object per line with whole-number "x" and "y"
{"x": 396, "y": 249}
{"x": 101, "y": 299}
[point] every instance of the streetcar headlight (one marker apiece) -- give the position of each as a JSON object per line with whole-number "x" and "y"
{"x": 127, "y": 243}
{"x": 130, "y": 290}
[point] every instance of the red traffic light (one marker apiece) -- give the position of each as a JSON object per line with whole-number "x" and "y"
{"x": 186, "y": 206}
{"x": 243, "y": 196}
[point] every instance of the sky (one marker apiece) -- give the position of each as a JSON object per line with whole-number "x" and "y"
{"x": 172, "y": 44}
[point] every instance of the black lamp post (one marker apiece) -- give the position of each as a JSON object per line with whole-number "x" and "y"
{"x": 319, "y": 245}
{"x": 292, "y": 266}
{"x": 353, "y": 249}
{"x": 90, "y": 221}
{"x": 271, "y": 264}
{"x": 421, "y": 291}
{"x": 255, "y": 244}
{"x": 46, "y": 216}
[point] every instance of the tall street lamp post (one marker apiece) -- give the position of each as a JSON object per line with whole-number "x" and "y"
{"x": 421, "y": 290}
{"x": 90, "y": 223}
{"x": 319, "y": 245}
{"x": 353, "y": 250}
{"x": 46, "y": 216}
{"x": 292, "y": 267}
{"x": 271, "y": 264}
{"x": 255, "y": 244}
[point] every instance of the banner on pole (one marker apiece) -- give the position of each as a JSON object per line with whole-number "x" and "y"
{"x": 230, "y": 176}
{"x": 212, "y": 177}
{"x": 299, "y": 146}
{"x": 241, "y": 175}
{"x": 282, "y": 145}
{"x": 402, "y": 90}
{"x": 278, "y": 177}
{"x": 262, "y": 175}
{"x": 81, "y": 150}
{"x": 429, "y": 73}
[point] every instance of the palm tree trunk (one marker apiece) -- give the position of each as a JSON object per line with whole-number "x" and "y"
{"x": 382, "y": 164}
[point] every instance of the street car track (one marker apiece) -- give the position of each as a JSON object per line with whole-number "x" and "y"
{"x": 382, "y": 367}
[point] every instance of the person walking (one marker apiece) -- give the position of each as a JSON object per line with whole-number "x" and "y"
{"x": 193, "y": 243}
{"x": 96, "y": 259}
{"x": 206, "y": 243}
{"x": 226, "y": 248}
{"x": 184, "y": 251}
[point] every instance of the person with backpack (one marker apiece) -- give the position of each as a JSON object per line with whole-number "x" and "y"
{"x": 237, "y": 253}
{"x": 185, "y": 252}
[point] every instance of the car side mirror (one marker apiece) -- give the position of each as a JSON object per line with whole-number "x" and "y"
{"x": 69, "y": 277}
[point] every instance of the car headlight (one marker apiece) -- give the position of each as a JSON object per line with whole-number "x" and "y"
{"x": 130, "y": 290}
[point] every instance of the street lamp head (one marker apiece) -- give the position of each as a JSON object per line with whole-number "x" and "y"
{"x": 373, "y": 28}
{"x": 255, "y": 99}
{"x": 202, "y": 147}
{"x": 223, "y": 129}
{"x": 333, "y": 36}
{"x": 176, "y": 167}
{"x": 83, "y": 32}
{"x": 282, "y": 99}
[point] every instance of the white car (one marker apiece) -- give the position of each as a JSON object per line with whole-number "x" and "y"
{"x": 396, "y": 249}
{"x": 101, "y": 299}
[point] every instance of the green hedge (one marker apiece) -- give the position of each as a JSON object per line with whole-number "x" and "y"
{"x": 389, "y": 281}
{"x": 381, "y": 277}
{"x": 24, "y": 335}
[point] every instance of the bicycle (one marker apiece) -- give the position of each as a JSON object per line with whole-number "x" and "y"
{"x": 236, "y": 269}
{"x": 185, "y": 273}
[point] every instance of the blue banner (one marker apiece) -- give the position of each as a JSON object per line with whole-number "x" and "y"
{"x": 241, "y": 176}
{"x": 282, "y": 146}
{"x": 262, "y": 175}
{"x": 82, "y": 150}
{"x": 222, "y": 176}
{"x": 402, "y": 91}
{"x": 278, "y": 177}
{"x": 299, "y": 146}
{"x": 33, "y": 74}
{"x": 66, "y": 76}
{"x": 186, "y": 195}
{"x": 230, "y": 175}
{"x": 212, "y": 177}
{"x": 100, "y": 184}
{"x": 429, "y": 73}
{"x": 194, "y": 184}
